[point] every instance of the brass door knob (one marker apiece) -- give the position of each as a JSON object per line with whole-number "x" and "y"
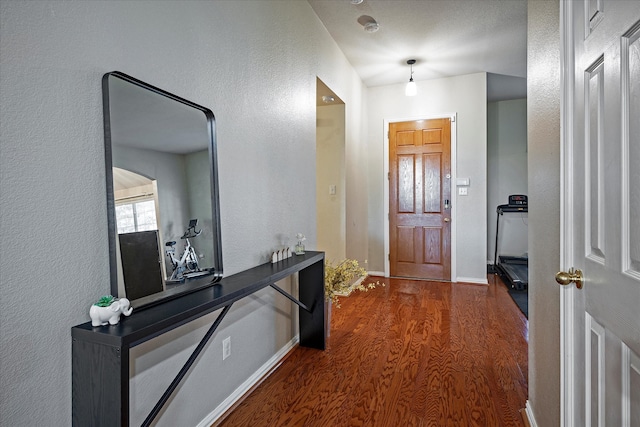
{"x": 447, "y": 219}
{"x": 571, "y": 276}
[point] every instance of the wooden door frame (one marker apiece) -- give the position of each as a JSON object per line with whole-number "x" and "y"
{"x": 385, "y": 177}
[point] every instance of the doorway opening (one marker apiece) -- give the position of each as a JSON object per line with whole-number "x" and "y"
{"x": 330, "y": 173}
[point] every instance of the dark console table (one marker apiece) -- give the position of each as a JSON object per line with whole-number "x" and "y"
{"x": 100, "y": 355}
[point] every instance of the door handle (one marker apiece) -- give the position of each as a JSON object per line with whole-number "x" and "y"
{"x": 447, "y": 219}
{"x": 571, "y": 276}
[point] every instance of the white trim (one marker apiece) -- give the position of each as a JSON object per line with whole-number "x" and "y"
{"x": 630, "y": 361}
{"x": 595, "y": 254}
{"x": 385, "y": 175}
{"x": 529, "y": 413}
{"x": 593, "y": 327}
{"x": 377, "y": 273}
{"x": 474, "y": 280}
{"x": 248, "y": 384}
{"x": 590, "y": 23}
{"x": 568, "y": 392}
{"x": 627, "y": 39}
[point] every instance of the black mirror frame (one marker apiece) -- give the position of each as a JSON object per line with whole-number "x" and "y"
{"x": 111, "y": 218}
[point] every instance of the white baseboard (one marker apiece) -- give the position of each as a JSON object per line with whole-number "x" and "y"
{"x": 248, "y": 384}
{"x": 475, "y": 280}
{"x": 529, "y": 412}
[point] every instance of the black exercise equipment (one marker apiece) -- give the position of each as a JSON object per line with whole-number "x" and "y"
{"x": 513, "y": 269}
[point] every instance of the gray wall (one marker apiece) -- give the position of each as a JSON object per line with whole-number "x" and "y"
{"x": 254, "y": 64}
{"x": 543, "y": 117}
{"x": 506, "y": 174}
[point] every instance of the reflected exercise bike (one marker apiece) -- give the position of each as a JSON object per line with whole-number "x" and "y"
{"x": 187, "y": 265}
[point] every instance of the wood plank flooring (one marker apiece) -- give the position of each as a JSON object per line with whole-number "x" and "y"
{"x": 412, "y": 353}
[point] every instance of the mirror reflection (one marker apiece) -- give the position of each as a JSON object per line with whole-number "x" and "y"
{"x": 164, "y": 226}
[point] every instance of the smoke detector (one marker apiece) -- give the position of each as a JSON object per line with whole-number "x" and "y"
{"x": 371, "y": 27}
{"x": 369, "y": 23}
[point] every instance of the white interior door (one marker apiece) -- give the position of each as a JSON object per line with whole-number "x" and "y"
{"x": 601, "y": 215}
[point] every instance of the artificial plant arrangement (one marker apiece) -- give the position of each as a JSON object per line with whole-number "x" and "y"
{"x": 105, "y": 301}
{"x": 341, "y": 280}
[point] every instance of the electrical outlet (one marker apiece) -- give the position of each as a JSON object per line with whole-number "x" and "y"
{"x": 226, "y": 347}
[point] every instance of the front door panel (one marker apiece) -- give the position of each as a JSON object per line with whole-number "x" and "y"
{"x": 419, "y": 218}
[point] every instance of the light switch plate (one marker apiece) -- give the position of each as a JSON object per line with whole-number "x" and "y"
{"x": 463, "y": 191}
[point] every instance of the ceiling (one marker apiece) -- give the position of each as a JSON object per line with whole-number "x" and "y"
{"x": 446, "y": 37}
{"x": 144, "y": 119}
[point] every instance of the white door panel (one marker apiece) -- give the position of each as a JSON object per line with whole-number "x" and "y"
{"x": 602, "y": 191}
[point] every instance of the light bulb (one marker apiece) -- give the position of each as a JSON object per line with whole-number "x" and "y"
{"x": 411, "y": 89}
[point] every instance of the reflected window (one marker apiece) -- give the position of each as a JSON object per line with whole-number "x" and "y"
{"x": 136, "y": 216}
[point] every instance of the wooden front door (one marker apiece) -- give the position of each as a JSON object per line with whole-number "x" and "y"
{"x": 420, "y": 199}
{"x": 600, "y": 320}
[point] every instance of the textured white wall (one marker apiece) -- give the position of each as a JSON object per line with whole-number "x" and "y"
{"x": 466, "y": 96}
{"x": 506, "y": 174}
{"x": 543, "y": 117}
{"x": 254, "y": 63}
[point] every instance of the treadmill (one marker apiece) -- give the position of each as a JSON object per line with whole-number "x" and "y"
{"x": 512, "y": 269}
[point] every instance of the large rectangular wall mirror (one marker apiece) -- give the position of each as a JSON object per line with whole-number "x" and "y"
{"x": 162, "y": 192}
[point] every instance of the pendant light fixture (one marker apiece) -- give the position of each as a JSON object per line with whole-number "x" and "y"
{"x": 411, "y": 89}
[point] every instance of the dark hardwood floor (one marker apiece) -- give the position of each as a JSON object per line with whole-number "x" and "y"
{"x": 412, "y": 353}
